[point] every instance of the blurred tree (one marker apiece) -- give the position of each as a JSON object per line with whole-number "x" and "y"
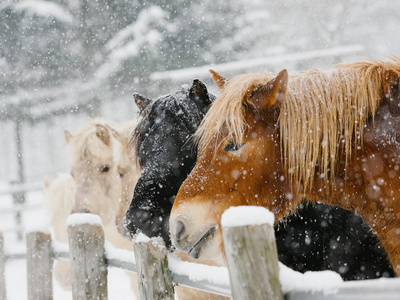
{"x": 69, "y": 56}
{"x": 108, "y": 46}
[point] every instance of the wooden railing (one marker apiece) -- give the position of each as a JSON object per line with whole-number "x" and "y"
{"x": 18, "y": 195}
{"x": 252, "y": 263}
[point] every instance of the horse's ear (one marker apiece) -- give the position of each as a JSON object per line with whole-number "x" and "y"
{"x": 272, "y": 94}
{"x": 68, "y": 136}
{"x": 141, "y": 102}
{"x": 103, "y": 134}
{"x": 219, "y": 80}
{"x": 199, "y": 94}
{"x": 46, "y": 183}
{"x": 279, "y": 87}
{"x": 115, "y": 133}
{"x": 118, "y": 136}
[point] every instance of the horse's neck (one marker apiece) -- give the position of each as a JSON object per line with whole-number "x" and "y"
{"x": 374, "y": 168}
{"x": 372, "y": 192}
{"x": 369, "y": 186}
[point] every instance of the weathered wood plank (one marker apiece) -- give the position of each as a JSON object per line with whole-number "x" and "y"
{"x": 3, "y": 294}
{"x": 39, "y": 265}
{"x": 252, "y": 260}
{"x": 88, "y": 261}
{"x": 154, "y": 277}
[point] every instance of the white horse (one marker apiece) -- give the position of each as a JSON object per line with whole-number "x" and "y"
{"x": 102, "y": 180}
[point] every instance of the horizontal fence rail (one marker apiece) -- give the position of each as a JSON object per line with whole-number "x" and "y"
{"x": 254, "y": 64}
{"x": 19, "y": 206}
{"x": 200, "y": 277}
{"x": 22, "y": 188}
{"x": 370, "y": 289}
{"x": 180, "y": 279}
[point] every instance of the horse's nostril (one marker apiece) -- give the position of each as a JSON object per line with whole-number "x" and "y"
{"x": 180, "y": 230}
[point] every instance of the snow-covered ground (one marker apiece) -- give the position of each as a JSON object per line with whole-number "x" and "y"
{"x": 16, "y": 283}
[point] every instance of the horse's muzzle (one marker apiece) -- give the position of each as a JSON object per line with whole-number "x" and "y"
{"x": 187, "y": 242}
{"x": 149, "y": 222}
{"x": 195, "y": 251}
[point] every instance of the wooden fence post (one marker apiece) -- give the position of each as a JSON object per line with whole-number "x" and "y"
{"x": 87, "y": 256}
{"x": 251, "y": 253}
{"x": 3, "y": 295}
{"x": 154, "y": 277}
{"x": 39, "y": 265}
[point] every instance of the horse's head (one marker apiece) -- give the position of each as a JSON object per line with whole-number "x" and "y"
{"x": 239, "y": 140}
{"x": 166, "y": 154}
{"x": 94, "y": 169}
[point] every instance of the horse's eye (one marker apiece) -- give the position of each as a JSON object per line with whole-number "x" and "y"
{"x": 105, "y": 169}
{"x": 121, "y": 175}
{"x": 231, "y": 147}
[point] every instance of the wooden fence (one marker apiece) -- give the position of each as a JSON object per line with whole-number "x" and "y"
{"x": 251, "y": 258}
{"x": 18, "y": 194}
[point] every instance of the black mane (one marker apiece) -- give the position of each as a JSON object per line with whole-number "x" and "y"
{"x": 166, "y": 154}
{"x": 186, "y": 112}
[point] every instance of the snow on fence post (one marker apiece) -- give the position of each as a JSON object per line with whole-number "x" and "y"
{"x": 39, "y": 259}
{"x": 2, "y": 271}
{"x": 251, "y": 253}
{"x": 155, "y": 281}
{"x": 87, "y": 257}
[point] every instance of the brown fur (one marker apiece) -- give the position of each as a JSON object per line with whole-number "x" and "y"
{"x": 332, "y": 139}
{"x": 315, "y": 98}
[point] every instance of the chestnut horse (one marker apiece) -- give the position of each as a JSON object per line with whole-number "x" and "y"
{"x": 324, "y": 135}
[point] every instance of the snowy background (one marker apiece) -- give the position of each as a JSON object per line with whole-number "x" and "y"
{"x": 63, "y": 62}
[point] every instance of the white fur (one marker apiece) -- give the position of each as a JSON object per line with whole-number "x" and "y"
{"x": 99, "y": 192}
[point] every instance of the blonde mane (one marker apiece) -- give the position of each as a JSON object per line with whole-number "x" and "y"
{"x": 86, "y": 142}
{"x": 322, "y": 109}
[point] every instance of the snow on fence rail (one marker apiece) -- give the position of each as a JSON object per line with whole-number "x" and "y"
{"x": 22, "y": 188}
{"x": 255, "y": 64}
{"x": 251, "y": 257}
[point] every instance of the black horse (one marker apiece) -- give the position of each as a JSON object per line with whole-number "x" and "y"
{"x": 165, "y": 153}
{"x": 317, "y": 237}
